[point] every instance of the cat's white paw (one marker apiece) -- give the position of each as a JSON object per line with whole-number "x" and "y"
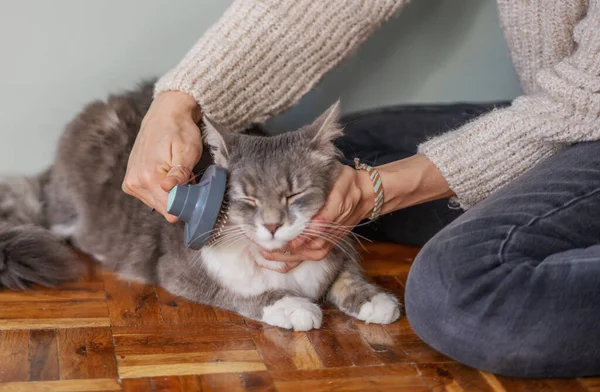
{"x": 381, "y": 309}
{"x": 296, "y": 313}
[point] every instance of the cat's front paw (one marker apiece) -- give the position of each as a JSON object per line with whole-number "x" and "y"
{"x": 381, "y": 309}
{"x": 296, "y": 313}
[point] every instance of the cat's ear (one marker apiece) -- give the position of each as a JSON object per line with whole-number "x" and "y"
{"x": 216, "y": 137}
{"x": 325, "y": 129}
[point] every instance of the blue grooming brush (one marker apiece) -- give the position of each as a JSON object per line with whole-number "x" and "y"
{"x": 202, "y": 207}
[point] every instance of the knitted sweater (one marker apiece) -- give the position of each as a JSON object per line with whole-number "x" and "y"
{"x": 262, "y": 56}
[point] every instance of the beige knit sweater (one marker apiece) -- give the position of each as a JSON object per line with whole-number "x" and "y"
{"x": 262, "y": 56}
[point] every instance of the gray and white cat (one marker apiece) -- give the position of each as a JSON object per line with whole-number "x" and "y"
{"x": 280, "y": 180}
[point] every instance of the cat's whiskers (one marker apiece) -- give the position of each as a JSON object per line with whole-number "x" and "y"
{"x": 238, "y": 232}
{"x": 225, "y": 237}
{"x": 226, "y": 234}
{"x": 236, "y": 240}
{"x": 331, "y": 237}
{"x": 342, "y": 231}
{"x": 224, "y": 230}
{"x": 227, "y": 240}
{"x": 334, "y": 241}
{"x": 336, "y": 226}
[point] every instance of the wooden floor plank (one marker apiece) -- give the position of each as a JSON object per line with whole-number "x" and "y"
{"x": 100, "y": 353}
{"x": 591, "y": 384}
{"x": 381, "y": 343}
{"x": 47, "y": 295}
{"x": 178, "y": 334}
{"x": 174, "y": 347}
{"x": 194, "y": 382}
{"x": 166, "y": 384}
{"x": 398, "y": 377}
{"x": 454, "y": 375}
{"x": 375, "y": 384}
{"x": 415, "y": 349}
{"x": 187, "y": 357}
{"x": 283, "y": 350}
{"x": 184, "y": 350}
{"x": 391, "y": 284}
{"x": 355, "y": 347}
{"x": 225, "y": 316}
{"x": 177, "y": 310}
{"x": 86, "y": 353}
{"x": 137, "y": 385}
{"x": 328, "y": 348}
{"x": 68, "y": 322}
{"x": 223, "y": 382}
{"x": 571, "y": 385}
{"x": 257, "y": 382}
{"x": 185, "y": 368}
{"x": 79, "y": 304}
{"x": 72, "y": 353}
{"x": 131, "y": 303}
{"x": 97, "y": 385}
{"x": 14, "y": 356}
{"x": 398, "y": 369}
{"x": 385, "y": 260}
{"x": 43, "y": 355}
{"x": 53, "y": 309}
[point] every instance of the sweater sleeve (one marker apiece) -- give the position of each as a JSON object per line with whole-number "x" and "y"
{"x": 493, "y": 150}
{"x": 262, "y": 56}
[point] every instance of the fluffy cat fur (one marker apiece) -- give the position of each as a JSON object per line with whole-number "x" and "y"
{"x": 279, "y": 180}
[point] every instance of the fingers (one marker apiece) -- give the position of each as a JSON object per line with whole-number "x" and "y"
{"x": 177, "y": 175}
{"x": 151, "y": 182}
{"x": 144, "y": 193}
{"x": 185, "y": 154}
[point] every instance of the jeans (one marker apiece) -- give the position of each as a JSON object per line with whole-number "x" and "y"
{"x": 511, "y": 286}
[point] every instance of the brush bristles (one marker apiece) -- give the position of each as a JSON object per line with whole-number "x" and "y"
{"x": 220, "y": 223}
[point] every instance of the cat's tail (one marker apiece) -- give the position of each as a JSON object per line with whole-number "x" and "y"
{"x": 30, "y": 254}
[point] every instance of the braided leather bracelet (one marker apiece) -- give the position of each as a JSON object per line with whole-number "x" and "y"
{"x": 377, "y": 186}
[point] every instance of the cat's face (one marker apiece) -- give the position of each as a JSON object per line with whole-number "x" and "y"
{"x": 277, "y": 184}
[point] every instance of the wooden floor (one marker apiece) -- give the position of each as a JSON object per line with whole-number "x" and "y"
{"x": 102, "y": 334}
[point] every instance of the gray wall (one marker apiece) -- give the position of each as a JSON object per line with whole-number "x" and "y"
{"x": 57, "y": 55}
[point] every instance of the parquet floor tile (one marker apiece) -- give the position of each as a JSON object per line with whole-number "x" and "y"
{"x": 101, "y": 334}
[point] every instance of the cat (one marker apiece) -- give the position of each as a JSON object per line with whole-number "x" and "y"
{"x": 280, "y": 180}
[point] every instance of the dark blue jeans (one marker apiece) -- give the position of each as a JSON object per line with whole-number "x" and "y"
{"x": 511, "y": 286}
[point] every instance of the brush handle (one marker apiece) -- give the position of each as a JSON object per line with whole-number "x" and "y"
{"x": 199, "y": 205}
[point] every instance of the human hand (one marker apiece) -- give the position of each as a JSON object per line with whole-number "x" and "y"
{"x": 350, "y": 200}
{"x": 165, "y": 151}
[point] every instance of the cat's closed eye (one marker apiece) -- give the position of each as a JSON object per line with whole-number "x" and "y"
{"x": 249, "y": 200}
{"x": 294, "y": 196}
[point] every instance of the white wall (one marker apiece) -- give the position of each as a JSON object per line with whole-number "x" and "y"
{"x": 57, "y": 55}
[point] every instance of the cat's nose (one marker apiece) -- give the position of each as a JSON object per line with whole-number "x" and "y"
{"x": 272, "y": 227}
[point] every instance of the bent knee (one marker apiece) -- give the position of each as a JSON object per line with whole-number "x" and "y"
{"x": 464, "y": 323}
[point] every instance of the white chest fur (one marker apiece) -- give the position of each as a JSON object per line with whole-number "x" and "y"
{"x": 236, "y": 269}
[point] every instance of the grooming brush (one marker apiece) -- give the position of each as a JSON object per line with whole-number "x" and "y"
{"x": 202, "y": 206}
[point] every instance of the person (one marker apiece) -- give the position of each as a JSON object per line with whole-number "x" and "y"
{"x": 508, "y": 280}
